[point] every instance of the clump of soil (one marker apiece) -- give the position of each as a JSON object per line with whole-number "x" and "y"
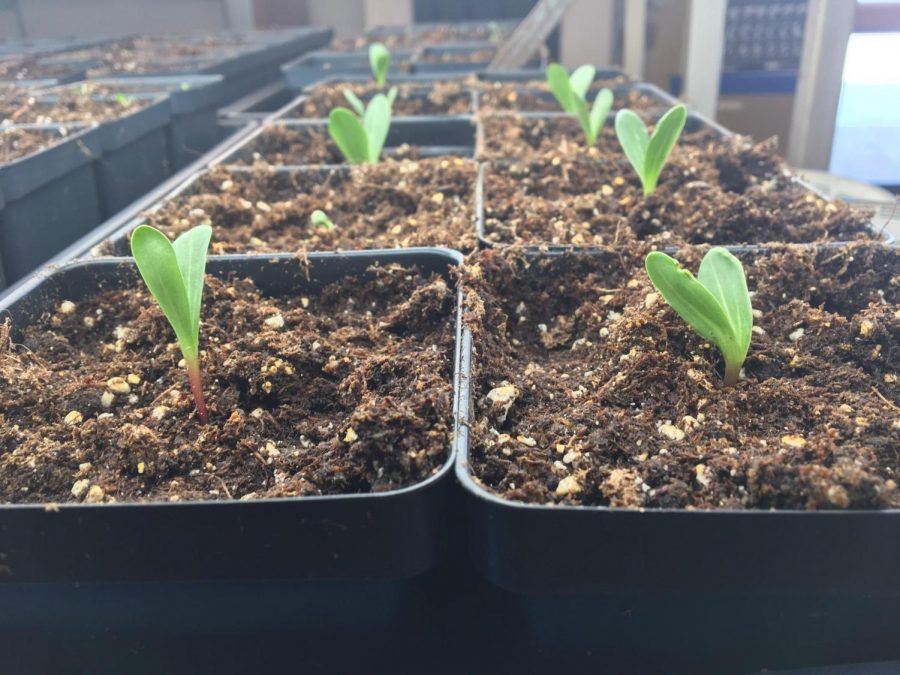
{"x": 522, "y": 97}
{"x": 589, "y": 389}
{"x": 386, "y": 205}
{"x": 444, "y": 98}
{"x": 16, "y": 142}
{"x": 73, "y": 104}
{"x": 725, "y": 192}
{"x": 348, "y": 391}
{"x": 292, "y": 145}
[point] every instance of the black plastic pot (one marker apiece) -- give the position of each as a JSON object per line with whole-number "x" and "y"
{"x": 329, "y": 569}
{"x": 694, "y": 123}
{"x": 316, "y": 66}
{"x": 384, "y": 536}
{"x": 135, "y": 154}
{"x": 258, "y": 105}
{"x": 445, "y": 135}
{"x": 194, "y": 101}
{"x": 680, "y": 591}
{"x": 51, "y": 199}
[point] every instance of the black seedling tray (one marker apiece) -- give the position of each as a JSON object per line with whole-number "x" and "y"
{"x": 258, "y": 105}
{"x": 526, "y": 75}
{"x": 316, "y": 66}
{"x": 51, "y": 199}
{"x": 444, "y": 135}
{"x": 656, "y": 590}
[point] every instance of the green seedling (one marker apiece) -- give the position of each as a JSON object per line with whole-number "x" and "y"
{"x": 319, "y": 218}
{"x": 571, "y": 93}
{"x": 125, "y": 101}
{"x": 716, "y": 304}
{"x": 648, "y": 154}
{"x": 174, "y": 274}
{"x": 361, "y": 136}
{"x": 380, "y": 62}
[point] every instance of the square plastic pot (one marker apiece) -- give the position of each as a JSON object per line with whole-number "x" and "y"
{"x": 51, "y": 199}
{"x": 134, "y": 155}
{"x": 423, "y": 63}
{"x": 194, "y": 101}
{"x": 711, "y": 591}
{"x": 326, "y": 567}
{"x": 389, "y": 535}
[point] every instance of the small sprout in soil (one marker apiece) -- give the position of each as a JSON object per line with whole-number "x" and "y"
{"x": 124, "y": 100}
{"x": 716, "y": 304}
{"x": 174, "y": 274}
{"x": 380, "y": 62}
{"x": 648, "y": 154}
{"x": 319, "y": 218}
{"x": 571, "y": 93}
{"x": 361, "y": 137}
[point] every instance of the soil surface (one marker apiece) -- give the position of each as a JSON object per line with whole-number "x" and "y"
{"x": 346, "y": 392}
{"x": 71, "y": 104}
{"x": 32, "y": 68}
{"x": 588, "y": 388}
{"x": 514, "y": 97}
{"x": 444, "y": 98}
{"x": 386, "y": 205}
{"x": 710, "y": 191}
{"x": 15, "y": 142}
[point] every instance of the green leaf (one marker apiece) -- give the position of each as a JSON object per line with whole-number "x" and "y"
{"x": 717, "y": 306}
{"x": 190, "y": 250}
{"x": 377, "y": 123}
{"x": 392, "y": 96}
{"x": 599, "y": 112}
{"x": 665, "y": 135}
{"x": 348, "y": 133}
{"x": 558, "y": 81}
{"x": 159, "y": 263}
{"x": 633, "y": 138}
{"x": 723, "y": 275}
{"x": 581, "y": 79}
{"x": 358, "y": 106}
{"x": 380, "y": 62}
{"x": 580, "y": 110}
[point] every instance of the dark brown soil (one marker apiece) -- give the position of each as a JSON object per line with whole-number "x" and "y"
{"x": 352, "y": 394}
{"x": 589, "y": 389}
{"x": 444, "y": 98}
{"x": 281, "y": 144}
{"x": 15, "y": 142}
{"x": 391, "y": 204}
{"x": 524, "y": 97}
{"x": 730, "y": 192}
{"x": 73, "y": 104}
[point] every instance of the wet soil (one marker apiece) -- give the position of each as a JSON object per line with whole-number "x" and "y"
{"x": 387, "y": 205}
{"x": 349, "y": 391}
{"x": 444, "y": 98}
{"x": 588, "y": 388}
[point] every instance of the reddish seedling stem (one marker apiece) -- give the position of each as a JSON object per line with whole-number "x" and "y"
{"x": 193, "y": 369}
